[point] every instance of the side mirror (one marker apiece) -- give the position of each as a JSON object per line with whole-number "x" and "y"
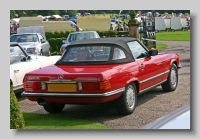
{"x": 29, "y": 58}
{"x": 153, "y": 52}
{"x": 43, "y": 40}
{"x": 64, "y": 41}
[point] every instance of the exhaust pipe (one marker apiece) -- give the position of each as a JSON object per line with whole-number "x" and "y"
{"x": 42, "y": 102}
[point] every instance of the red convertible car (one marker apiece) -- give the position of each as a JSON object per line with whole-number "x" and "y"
{"x": 102, "y": 70}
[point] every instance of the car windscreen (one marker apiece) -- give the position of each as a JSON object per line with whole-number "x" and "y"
{"x": 81, "y": 36}
{"x": 87, "y": 54}
{"x": 16, "y": 55}
{"x": 24, "y": 38}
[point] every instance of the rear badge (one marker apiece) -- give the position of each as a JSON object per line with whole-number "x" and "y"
{"x": 33, "y": 78}
{"x": 60, "y": 77}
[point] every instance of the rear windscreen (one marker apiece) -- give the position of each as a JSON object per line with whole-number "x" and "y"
{"x": 87, "y": 54}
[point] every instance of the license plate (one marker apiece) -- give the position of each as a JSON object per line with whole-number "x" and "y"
{"x": 62, "y": 87}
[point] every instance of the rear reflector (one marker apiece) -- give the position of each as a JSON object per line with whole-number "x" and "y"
{"x": 105, "y": 85}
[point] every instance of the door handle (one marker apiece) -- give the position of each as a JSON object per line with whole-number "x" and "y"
{"x": 15, "y": 71}
{"x": 142, "y": 66}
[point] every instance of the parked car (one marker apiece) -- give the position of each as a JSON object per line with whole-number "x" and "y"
{"x": 73, "y": 19}
{"x": 117, "y": 21}
{"x": 100, "y": 70}
{"x": 80, "y": 35}
{"x": 179, "y": 119}
{"x": 21, "y": 63}
{"x": 32, "y": 43}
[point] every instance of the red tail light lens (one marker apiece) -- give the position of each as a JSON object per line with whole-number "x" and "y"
{"x": 34, "y": 86}
{"x": 90, "y": 86}
{"x": 95, "y": 86}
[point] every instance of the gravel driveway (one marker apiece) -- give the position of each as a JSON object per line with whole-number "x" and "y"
{"x": 150, "y": 106}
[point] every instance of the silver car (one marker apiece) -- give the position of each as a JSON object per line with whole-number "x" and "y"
{"x": 32, "y": 43}
{"x": 75, "y": 36}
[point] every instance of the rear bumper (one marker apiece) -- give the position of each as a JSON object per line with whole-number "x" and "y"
{"x": 73, "y": 95}
{"x": 69, "y": 98}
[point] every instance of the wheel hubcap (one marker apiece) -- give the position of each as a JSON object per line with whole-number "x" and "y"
{"x": 130, "y": 96}
{"x": 173, "y": 77}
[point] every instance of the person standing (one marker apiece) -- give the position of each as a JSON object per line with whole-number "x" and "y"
{"x": 15, "y": 28}
{"x": 11, "y": 28}
{"x": 119, "y": 28}
{"x": 125, "y": 27}
{"x": 111, "y": 27}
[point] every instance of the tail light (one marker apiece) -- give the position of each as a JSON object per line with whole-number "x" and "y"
{"x": 90, "y": 86}
{"x": 34, "y": 86}
{"x": 105, "y": 85}
{"x": 94, "y": 86}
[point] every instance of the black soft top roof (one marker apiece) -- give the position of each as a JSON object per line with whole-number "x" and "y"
{"x": 111, "y": 40}
{"x": 121, "y": 41}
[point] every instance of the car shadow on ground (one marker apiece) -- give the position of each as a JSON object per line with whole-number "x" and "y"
{"x": 19, "y": 97}
{"x": 106, "y": 111}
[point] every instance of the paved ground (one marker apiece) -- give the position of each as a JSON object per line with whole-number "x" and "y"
{"x": 150, "y": 106}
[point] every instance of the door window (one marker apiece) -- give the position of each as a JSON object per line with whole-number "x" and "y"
{"x": 137, "y": 50}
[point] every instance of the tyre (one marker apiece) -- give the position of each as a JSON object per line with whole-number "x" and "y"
{"x": 49, "y": 54}
{"x": 126, "y": 103}
{"x": 54, "y": 107}
{"x": 172, "y": 80}
{"x": 41, "y": 53}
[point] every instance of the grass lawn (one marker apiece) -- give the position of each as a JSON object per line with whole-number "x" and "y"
{"x": 55, "y": 121}
{"x": 173, "y": 36}
{"x": 160, "y": 46}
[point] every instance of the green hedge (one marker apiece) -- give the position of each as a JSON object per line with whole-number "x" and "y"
{"x": 64, "y": 34}
{"x": 55, "y": 44}
{"x": 16, "y": 116}
{"x": 57, "y": 34}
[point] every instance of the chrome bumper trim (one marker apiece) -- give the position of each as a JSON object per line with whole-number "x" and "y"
{"x": 17, "y": 87}
{"x": 149, "y": 88}
{"x": 74, "y": 95}
{"x": 154, "y": 77}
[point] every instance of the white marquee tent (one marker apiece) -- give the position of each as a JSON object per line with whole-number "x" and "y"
{"x": 15, "y": 21}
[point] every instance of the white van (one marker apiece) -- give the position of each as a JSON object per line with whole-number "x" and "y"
{"x": 31, "y": 29}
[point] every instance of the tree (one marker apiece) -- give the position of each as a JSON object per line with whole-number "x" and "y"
{"x": 48, "y": 12}
{"x": 71, "y": 13}
{"x": 12, "y": 14}
{"x": 63, "y": 12}
{"x": 93, "y": 11}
